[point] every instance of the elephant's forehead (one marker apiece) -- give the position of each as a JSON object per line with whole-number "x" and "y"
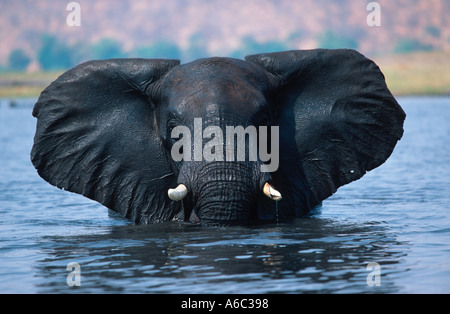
{"x": 216, "y": 71}
{"x": 216, "y": 82}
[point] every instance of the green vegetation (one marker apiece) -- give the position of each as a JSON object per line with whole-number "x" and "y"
{"x": 107, "y": 49}
{"x": 196, "y": 49}
{"x": 410, "y": 69}
{"x": 408, "y": 45}
{"x": 433, "y": 31}
{"x": 162, "y": 49}
{"x": 54, "y": 54}
{"x": 22, "y": 84}
{"x": 331, "y": 40}
{"x": 18, "y": 60}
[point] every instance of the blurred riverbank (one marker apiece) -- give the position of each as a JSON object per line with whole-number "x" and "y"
{"x": 419, "y": 73}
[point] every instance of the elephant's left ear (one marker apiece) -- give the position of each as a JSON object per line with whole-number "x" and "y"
{"x": 97, "y": 135}
{"x": 336, "y": 114}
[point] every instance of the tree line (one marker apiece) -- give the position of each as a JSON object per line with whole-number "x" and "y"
{"x": 55, "y": 54}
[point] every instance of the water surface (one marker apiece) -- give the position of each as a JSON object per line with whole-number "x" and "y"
{"x": 397, "y": 216}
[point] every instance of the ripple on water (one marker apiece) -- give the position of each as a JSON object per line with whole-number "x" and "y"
{"x": 397, "y": 216}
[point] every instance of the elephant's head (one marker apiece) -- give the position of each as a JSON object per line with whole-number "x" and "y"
{"x": 218, "y": 139}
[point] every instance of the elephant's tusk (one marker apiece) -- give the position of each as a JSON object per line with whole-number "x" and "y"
{"x": 270, "y": 192}
{"x": 178, "y": 193}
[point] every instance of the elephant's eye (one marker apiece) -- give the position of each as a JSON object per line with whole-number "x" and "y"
{"x": 171, "y": 124}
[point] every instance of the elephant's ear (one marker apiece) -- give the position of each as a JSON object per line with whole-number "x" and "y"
{"x": 96, "y": 135}
{"x": 337, "y": 110}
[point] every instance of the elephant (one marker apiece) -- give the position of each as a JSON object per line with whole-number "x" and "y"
{"x": 105, "y": 129}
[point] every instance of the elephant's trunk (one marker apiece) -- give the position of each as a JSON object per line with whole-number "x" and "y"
{"x": 224, "y": 192}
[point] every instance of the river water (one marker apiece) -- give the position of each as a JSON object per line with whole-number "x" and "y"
{"x": 397, "y": 216}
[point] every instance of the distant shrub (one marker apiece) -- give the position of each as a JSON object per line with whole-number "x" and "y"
{"x": 107, "y": 49}
{"x": 433, "y": 31}
{"x": 18, "y": 60}
{"x": 331, "y": 40}
{"x": 410, "y": 45}
{"x": 162, "y": 49}
{"x": 196, "y": 49}
{"x": 55, "y": 54}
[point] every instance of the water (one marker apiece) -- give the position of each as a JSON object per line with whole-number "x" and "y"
{"x": 397, "y": 216}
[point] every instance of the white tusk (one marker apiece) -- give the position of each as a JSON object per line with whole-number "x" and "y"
{"x": 270, "y": 192}
{"x": 178, "y": 193}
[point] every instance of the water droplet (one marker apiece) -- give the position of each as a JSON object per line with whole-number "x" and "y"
{"x": 276, "y": 209}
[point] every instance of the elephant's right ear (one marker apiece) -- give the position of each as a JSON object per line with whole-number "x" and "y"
{"x": 337, "y": 117}
{"x": 97, "y": 136}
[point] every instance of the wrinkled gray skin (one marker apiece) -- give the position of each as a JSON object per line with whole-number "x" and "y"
{"x": 104, "y": 131}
